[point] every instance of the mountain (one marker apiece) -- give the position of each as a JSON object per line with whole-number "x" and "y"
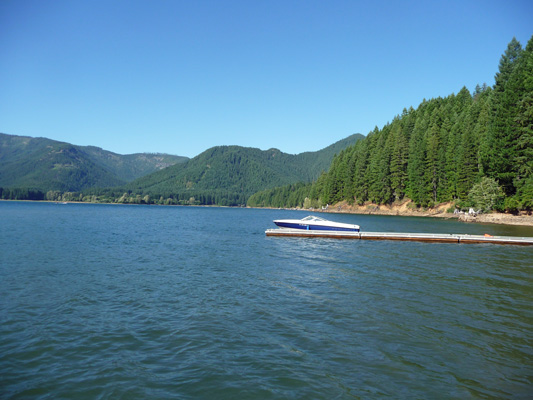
{"x": 47, "y": 164}
{"x": 223, "y": 175}
{"x": 319, "y": 161}
{"x": 132, "y": 166}
{"x": 230, "y": 174}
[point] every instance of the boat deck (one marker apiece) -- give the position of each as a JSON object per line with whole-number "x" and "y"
{"x": 417, "y": 237}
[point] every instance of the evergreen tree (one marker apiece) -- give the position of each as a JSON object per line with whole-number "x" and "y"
{"x": 360, "y": 184}
{"x": 442, "y": 190}
{"x": 499, "y": 162}
{"x": 521, "y": 82}
{"x": 467, "y": 163}
{"x": 507, "y": 64}
{"x": 398, "y": 163}
{"x": 467, "y": 170}
{"x": 432, "y": 161}
{"x": 417, "y": 188}
{"x": 349, "y": 188}
{"x": 377, "y": 173}
{"x": 482, "y": 128}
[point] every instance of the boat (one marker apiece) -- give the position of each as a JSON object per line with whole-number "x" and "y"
{"x": 315, "y": 224}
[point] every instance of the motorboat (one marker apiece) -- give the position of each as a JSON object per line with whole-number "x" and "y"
{"x": 316, "y": 224}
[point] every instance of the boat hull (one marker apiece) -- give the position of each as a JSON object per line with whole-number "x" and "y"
{"x": 313, "y": 227}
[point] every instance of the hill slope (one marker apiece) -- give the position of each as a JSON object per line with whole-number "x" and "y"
{"x": 51, "y": 165}
{"x": 235, "y": 172}
{"x": 132, "y": 166}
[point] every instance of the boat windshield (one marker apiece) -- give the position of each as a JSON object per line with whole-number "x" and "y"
{"x": 313, "y": 218}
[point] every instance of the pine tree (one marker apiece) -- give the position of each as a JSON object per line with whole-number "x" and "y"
{"x": 373, "y": 174}
{"x": 432, "y": 161}
{"x": 349, "y": 188}
{"x": 482, "y": 129}
{"x": 385, "y": 190}
{"x": 521, "y": 82}
{"x": 499, "y": 162}
{"x": 416, "y": 167}
{"x": 507, "y": 64}
{"x": 467, "y": 171}
{"x": 444, "y": 133}
{"x": 360, "y": 184}
{"x": 398, "y": 164}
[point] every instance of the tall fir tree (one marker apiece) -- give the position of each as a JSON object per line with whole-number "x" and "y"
{"x": 450, "y": 171}
{"x": 521, "y": 83}
{"x": 442, "y": 190}
{"x": 417, "y": 189}
{"x": 359, "y": 183}
{"x": 467, "y": 166}
{"x": 432, "y": 161}
{"x": 398, "y": 163}
{"x": 499, "y": 163}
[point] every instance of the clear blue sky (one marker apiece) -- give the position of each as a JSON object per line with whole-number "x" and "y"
{"x": 180, "y": 76}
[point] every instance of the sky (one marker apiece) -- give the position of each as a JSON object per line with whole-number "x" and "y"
{"x": 179, "y": 77}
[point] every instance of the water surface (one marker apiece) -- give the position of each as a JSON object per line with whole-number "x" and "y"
{"x": 104, "y": 301}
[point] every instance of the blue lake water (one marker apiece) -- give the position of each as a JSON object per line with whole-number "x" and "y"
{"x": 104, "y": 301}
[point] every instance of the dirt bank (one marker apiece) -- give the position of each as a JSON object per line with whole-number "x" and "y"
{"x": 407, "y": 208}
{"x": 499, "y": 218}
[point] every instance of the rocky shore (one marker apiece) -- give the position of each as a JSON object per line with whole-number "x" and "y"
{"x": 407, "y": 208}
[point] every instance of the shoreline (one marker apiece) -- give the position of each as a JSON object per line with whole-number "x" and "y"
{"x": 402, "y": 210}
{"x": 405, "y": 209}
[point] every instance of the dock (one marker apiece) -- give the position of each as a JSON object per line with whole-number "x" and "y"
{"x": 416, "y": 237}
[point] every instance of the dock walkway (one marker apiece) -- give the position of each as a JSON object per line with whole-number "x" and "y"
{"x": 417, "y": 237}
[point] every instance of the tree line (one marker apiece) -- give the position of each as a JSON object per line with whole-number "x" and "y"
{"x": 475, "y": 149}
{"x": 120, "y": 196}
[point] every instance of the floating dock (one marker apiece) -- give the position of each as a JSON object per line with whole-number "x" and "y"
{"x": 417, "y": 237}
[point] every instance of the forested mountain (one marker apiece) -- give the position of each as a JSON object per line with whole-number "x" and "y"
{"x": 472, "y": 148}
{"x": 45, "y": 164}
{"x": 129, "y": 167}
{"x": 228, "y": 175}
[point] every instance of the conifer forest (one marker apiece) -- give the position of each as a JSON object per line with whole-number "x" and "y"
{"x": 471, "y": 148}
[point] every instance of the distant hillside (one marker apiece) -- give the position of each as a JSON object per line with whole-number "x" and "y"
{"x": 132, "y": 166}
{"x": 47, "y": 164}
{"x": 234, "y": 173}
{"x": 319, "y": 161}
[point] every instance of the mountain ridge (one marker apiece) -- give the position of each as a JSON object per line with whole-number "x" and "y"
{"x": 47, "y": 164}
{"x": 222, "y": 175}
{"x": 236, "y": 172}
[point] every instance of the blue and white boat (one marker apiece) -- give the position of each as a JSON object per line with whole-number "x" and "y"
{"x": 315, "y": 224}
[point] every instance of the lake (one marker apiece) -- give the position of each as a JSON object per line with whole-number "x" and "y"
{"x": 138, "y": 302}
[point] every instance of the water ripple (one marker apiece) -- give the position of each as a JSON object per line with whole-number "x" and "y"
{"x": 153, "y": 302}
